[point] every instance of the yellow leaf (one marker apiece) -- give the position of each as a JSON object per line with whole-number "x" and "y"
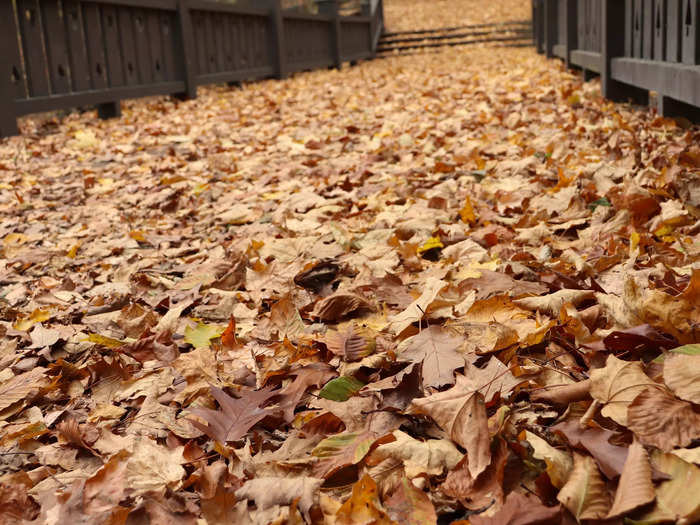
{"x": 663, "y": 231}
{"x": 103, "y": 340}
{"x": 73, "y": 251}
{"x": 37, "y": 316}
{"x": 137, "y": 235}
{"x": 467, "y": 213}
{"x": 431, "y": 244}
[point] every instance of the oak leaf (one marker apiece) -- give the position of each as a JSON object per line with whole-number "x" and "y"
{"x": 236, "y": 416}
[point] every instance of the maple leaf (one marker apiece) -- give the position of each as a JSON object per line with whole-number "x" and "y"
{"x": 235, "y": 417}
{"x": 436, "y": 348}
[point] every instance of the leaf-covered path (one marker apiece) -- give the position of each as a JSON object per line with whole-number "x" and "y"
{"x": 440, "y": 287}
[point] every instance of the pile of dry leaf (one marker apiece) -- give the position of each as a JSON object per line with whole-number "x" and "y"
{"x": 446, "y": 288}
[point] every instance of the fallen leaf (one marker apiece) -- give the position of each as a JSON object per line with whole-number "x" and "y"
{"x": 341, "y": 388}
{"x": 585, "y": 494}
{"x": 437, "y": 348}
{"x": 682, "y": 376}
{"x": 521, "y": 509}
{"x": 659, "y": 419}
{"x": 410, "y": 505}
{"x": 635, "y": 488}
{"x": 363, "y": 507}
{"x": 235, "y": 417}
{"x": 270, "y": 491}
{"x": 616, "y": 385}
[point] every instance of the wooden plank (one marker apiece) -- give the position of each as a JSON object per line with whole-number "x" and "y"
{"x": 11, "y": 69}
{"x": 125, "y": 22}
{"x": 638, "y": 29}
{"x": 113, "y": 51}
{"x": 587, "y": 60}
{"x": 648, "y": 30}
{"x": 92, "y": 27}
{"x": 674, "y": 33}
{"x": 144, "y": 57}
{"x": 691, "y": 32}
{"x": 660, "y": 29}
{"x": 77, "y": 48}
{"x": 35, "y": 61}
{"x": 171, "y": 44}
{"x": 678, "y": 81}
{"x": 614, "y": 19}
{"x": 550, "y": 26}
{"x": 187, "y": 45}
{"x": 90, "y": 98}
{"x": 155, "y": 39}
{"x": 56, "y": 45}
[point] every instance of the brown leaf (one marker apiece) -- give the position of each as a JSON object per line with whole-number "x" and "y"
{"x": 314, "y": 374}
{"x": 481, "y": 491}
{"x": 23, "y": 387}
{"x": 410, "y": 505}
{"x": 152, "y": 347}
{"x": 236, "y": 416}
{"x": 635, "y": 488}
{"x": 363, "y": 507}
{"x": 585, "y": 494}
{"x": 521, "y": 509}
{"x": 341, "y": 305}
{"x": 616, "y": 385}
{"x": 461, "y": 412}
{"x": 351, "y": 343}
{"x": 659, "y": 419}
{"x": 491, "y": 283}
{"x": 563, "y": 394}
{"x": 610, "y": 458}
{"x": 435, "y": 347}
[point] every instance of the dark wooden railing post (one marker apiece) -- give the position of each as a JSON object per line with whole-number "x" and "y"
{"x": 9, "y": 72}
{"x": 571, "y": 29}
{"x": 550, "y": 26}
{"x": 332, "y": 8}
{"x": 277, "y": 38}
{"x": 614, "y": 24}
{"x": 188, "y": 51}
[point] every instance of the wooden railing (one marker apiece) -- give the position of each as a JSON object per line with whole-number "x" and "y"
{"x": 57, "y": 54}
{"x": 636, "y": 46}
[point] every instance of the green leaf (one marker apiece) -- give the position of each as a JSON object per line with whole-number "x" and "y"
{"x": 600, "y": 202}
{"x": 200, "y": 335}
{"x": 341, "y": 388}
{"x": 692, "y": 349}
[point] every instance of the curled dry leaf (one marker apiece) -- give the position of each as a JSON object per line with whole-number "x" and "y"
{"x": 432, "y": 457}
{"x": 659, "y": 419}
{"x": 341, "y": 305}
{"x": 270, "y": 491}
{"x": 363, "y": 507}
{"x": 616, "y": 385}
{"x": 563, "y": 394}
{"x": 461, "y": 412}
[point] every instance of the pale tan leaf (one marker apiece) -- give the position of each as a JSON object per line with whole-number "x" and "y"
{"x": 616, "y": 385}
{"x": 635, "y": 488}
{"x": 437, "y": 348}
{"x": 585, "y": 494}
{"x": 682, "y": 376}
{"x": 22, "y": 387}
